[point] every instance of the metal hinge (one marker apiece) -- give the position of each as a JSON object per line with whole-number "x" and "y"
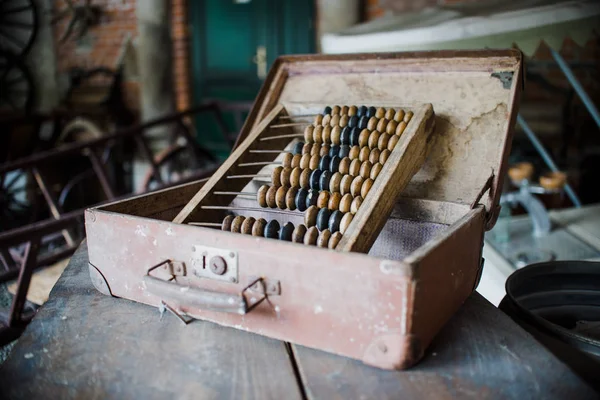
{"x": 492, "y": 211}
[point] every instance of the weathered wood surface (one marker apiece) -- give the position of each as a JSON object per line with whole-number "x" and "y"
{"x": 83, "y": 344}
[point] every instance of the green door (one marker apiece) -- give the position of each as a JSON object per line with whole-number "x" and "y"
{"x": 234, "y": 44}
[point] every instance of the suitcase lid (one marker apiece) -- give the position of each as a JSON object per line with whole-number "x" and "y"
{"x": 474, "y": 95}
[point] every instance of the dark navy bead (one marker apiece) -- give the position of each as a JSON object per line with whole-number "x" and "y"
{"x": 272, "y": 230}
{"x": 314, "y": 179}
{"x": 371, "y": 112}
{"x": 298, "y": 148}
{"x": 345, "y": 136}
{"x": 362, "y": 122}
{"x": 324, "y": 180}
{"x": 362, "y": 111}
{"x": 324, "y": 162}
{"x": 301, "y": 199}
{"x": 311, "y": 199}
{"x": 344, "y": 151}
{"x": 334, "y": 150}
{"x": 286, "y": 232}
{"x": 327, "y": 110}
{"x": 354, "y": 134}
{"x": 353, "y": 121}
{"x": 334, "y": 165}
{"x": 334, "y": 221}
{"x": 323, "y": 218}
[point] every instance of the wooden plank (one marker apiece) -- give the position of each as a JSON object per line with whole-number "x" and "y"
{"x": 479, "y": 354}
{"x": 83, "y": 344}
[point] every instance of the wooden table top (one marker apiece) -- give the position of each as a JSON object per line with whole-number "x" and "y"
{"x": 83, "y": 344}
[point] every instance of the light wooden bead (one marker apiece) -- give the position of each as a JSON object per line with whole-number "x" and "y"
{"x": 391, "y": 127}
{"x": 363, "y": 138}
{"x": 276, "y": 176}
{"x": 324, "y": 150}
{"x": 400, "y": 128}
{"x": 374, "y": 156}
{"x": 323, "y": 239}
{"x": 326, "y": 120}
{"x": 335, "y": 110}
{"x": 345, "y": 184}
{"x": 280, "y": 196}
{"x": 290, "y": 198}
{"x": 261, "y": 195}
{"x": 345, "y": 203}
{"x": 381, "y": 125}
{"x": 356, "y": 185}
{"x": 344, "y": 165}
{"x": 285, "y": 176}
{"x": 296, "y": 160}
{"x": 287, "y": 159}
{"x": 393, "y": 142}
{"x": 314, "y": 162}
{"x": 408, "y": 116}
{"x": 399, "y": 116}
{"x": 352, "y": 111}
{"x": 305, "y": 178}
{"x": 345, "y": 222}
{"x": 318, "y": 134}
{"x": 364, "y": 153}
{"x": 380, "y": 113}
{"x": 366, "y": 187}
{"x": 334, "y": 182}
{"x": 318, "y": 119}
{"x": 343, "y": 120}
{"x": 310, "y": 238}
{"x": 327, "y": 134}
{"x": 334, "y": 240}
{"x": 299, "y": 233}
{"x": 365, "y": 169}
{"x": 383, "y": 141}
{"x": 315, "y": 149}
{"x": 295, "y": 177}
{"x": 389, "y": 114}
{"x": 356, "y": 203}
{"x": 372, "y": 124}
{"x": 306, "y": 148}
{"x": 323, "y": 199}
{"x": 272, "y": 196}
{"x": 384, "y": 156}
{"x": 236, "y": 225}
{"x": 227, "y": 221}
{"x": 373, "y": 139}
{"x": 354, "y": 150}
{"x": 247, "y": 226}
{"x": 308, "y": 134}
{"x": 336, "y": 133}
{"x": 344, "y": 110}
{"x": 304, "y": 160}
{"x": 310, "y": 216}
{"x": 334, "y": 201}
{"x": 354, "y": 167}
{"x": 335, "y": 121}
{"x": 375, "y": 170}
{"x": 258, "y": 228}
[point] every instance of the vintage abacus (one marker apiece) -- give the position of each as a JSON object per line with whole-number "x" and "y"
{"x": 357, "y": 230}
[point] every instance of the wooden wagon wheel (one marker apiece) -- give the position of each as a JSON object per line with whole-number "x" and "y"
{"x": 18, "y": 26}
{"x": 16, "y": 85}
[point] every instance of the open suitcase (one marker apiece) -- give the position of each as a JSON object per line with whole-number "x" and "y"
{"x": 422, "y": 223}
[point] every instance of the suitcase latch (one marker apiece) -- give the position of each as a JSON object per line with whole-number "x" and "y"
{"x": 215, "y": 263}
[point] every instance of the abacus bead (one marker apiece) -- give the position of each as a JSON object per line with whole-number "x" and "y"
{"x": 305, "y": 178}
{"x": 364, "y": 153}
{"x": 362, "y": 110}
{"x": 371, "y": 112}
{"x": 353, "y": 154}
{"x": 352, "y": 121}
{"x": 276, "y": 176}
{"x": 295, "y": 177}
{"x": 335, "y": 121}
{"x": 381, "y": 125}
{"x": 272, "y": 229}
{"x": 334, "y": 201}
{"x": 280, "y": 197}
{"x": 326, "y": 119}
{"x": 363, "y": 138}
{"x": 344, "y": 151}
{"x": 261, "y": 195}
{"x": 311, "y": 198}
{"x": 308, "y": 134}
{"x": 334, "y": 164}
{"x": 400, "y": 128}
{"x": 345, "y": 203}
{"x": 301, "y": 199}
{"x": 247, "y": 226}
{"x": 354, "y": 167}
{"x": 356, "y": 203}
{"x": 344, "y": 165}
{"x": 318, "y": 134}
{"x": 298, "y": 148}
{"x": 324, "y": 180}
{"x": 236, "y": 225}
{"x": 365, "y": 169}
{"x": 382, "y": 143}
{"x": 323, "y": 218}
{"x": 324, "y": 150}
{"x": 258, "y": 229}
{"x": 314, "y": 179}
{"x": 226, "y": 224}
{"x": 362, "y": 122}
{"x": 384, "y": 156}
{"x": 334, "y": 240}
{"x": 334, "y": 183}
{"x": 366, "y": 187}
{"x": 344, "y": 120}
{"x": 392, "y": 142}
{"x": 373, "y": 139}
{"x": 389, "y": 114}
{"x": 290, "y": 198}
{"x": 285, "y": 176}
{"x": 356, "y": 185}
{"x": 327, "y": 134}
{"x": 310, "y": 238}
{"x": 344, "y": 110}
{"x": 408, "y": 116}
{"x": 374, "y": 155}
{"x": 323, "y": 199}
{"x": 298, "y": 234}
{"x": 335, "y": 135}
{"x": 399, "y": 116}
{"x": 345, "y": 222}
{"x": 352, "y": 111}
{"x": 345, "y": 184}
{"x": 315, "y": 149}
{"x": 327, "y": 110}
{"x": 391, "y": 127}
{"x": 296, "y": 160}
{"x": 354, "y": 134}
{"x": 323, "y": 239}
{"x": 334, "y": 221}
{"x": 307, "y": 148}
{"x": 375, "y": 171}
{"x": 345, "y": 135}
{"x": 287, "y": 159}
{"x": 314, "y": 162}
{"x": 304, "y": 161}
{"x": 335, "y": 110}
{"x": 286, "y": 232}
{"x": 272, "y": 196}
{"x": 334, "y": 150}
{"x": 380, "y": 113}
{"x": 324, "y": 162}
{"x": 372, "y": 124}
